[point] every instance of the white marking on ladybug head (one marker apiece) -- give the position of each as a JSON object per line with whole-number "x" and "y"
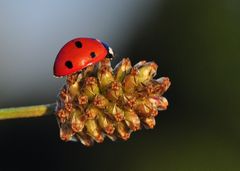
{"x": 110, "y": 51}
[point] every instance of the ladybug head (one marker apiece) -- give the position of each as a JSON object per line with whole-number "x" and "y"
{"x": 111, "y": 53}
{"x": 79, "y": 53}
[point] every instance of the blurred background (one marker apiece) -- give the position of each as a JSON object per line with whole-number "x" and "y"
{"x": 195, "y": 43}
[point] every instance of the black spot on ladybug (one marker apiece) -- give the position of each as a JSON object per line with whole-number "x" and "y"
{"x": 69, "y": 64}
{"x": 78, "y": 44}
{"x": 92, "y": 54}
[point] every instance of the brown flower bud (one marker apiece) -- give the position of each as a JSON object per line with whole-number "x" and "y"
{"x": 146, "y": 72}
{"x": 123, "y": 131}
{"x": 105, "y": 74}
{"x": 128, "y": 100}
{"x": 91, "y": 112}
{"x": 149, "y": 122}
{"x": 85, "y": 139}
{"x": 90, "y": 87}
{"x": 115, "y": 112}
{"x": 100, "y": 101}
{"x": 94, "y": 131}
{"x": 64, "y": 96}
{"x": 122, "y": 69}
{"x": 129, "y": 82}
{"x": 132, "y": 120}
{"x": 78, "y": 120}
{"x": 63, "y": 115}
{"x": 144, "y": 107}
{"x": 115, "y": 91}
{"x": 164, "y": 85}
{"x": 105, "y": 123}
{"x": 158, "y": 86}
{"x": 159, "y": 102}
{"x": 66, "y": 132}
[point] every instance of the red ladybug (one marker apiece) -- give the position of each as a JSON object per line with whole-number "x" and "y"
{"x": 79, "y": 53}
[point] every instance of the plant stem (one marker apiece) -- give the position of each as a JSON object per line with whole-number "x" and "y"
{"x": 27, "y": 111}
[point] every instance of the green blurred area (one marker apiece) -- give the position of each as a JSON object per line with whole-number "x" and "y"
{"x": 196, "y": 44}
{"x": 200, "y": 41}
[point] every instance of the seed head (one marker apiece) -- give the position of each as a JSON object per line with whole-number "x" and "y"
{"x": 100, "y": 102}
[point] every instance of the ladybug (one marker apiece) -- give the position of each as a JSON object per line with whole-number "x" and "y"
{"x": 79, "y": 53}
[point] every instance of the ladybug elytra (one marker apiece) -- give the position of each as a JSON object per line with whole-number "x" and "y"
{"x": 79, "y": 53}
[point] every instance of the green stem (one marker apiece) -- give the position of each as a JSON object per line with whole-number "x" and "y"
{"x": 27, "y": 112}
